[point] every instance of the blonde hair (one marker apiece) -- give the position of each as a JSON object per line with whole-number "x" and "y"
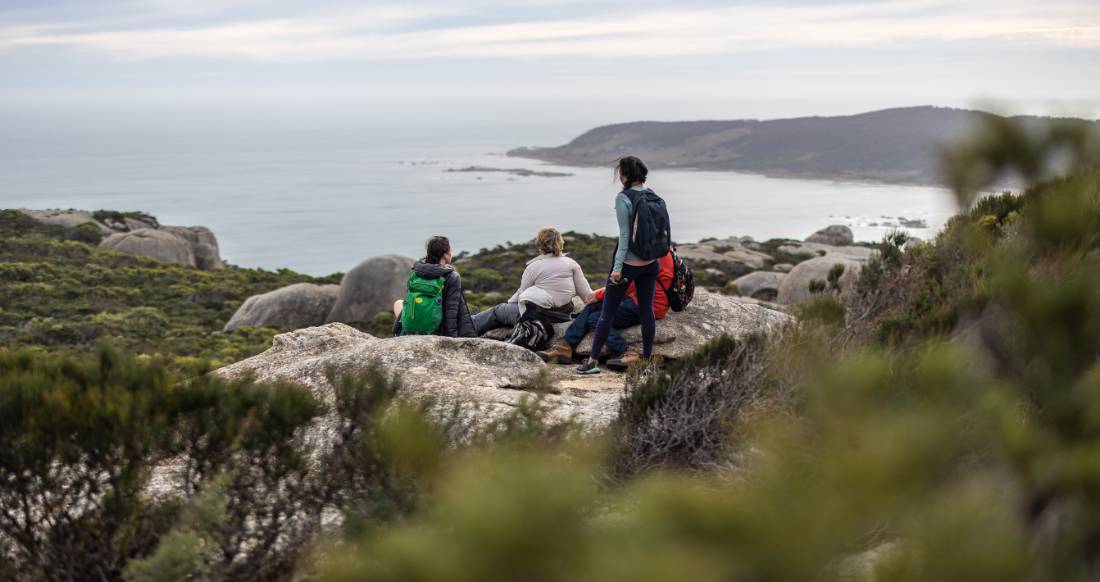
{"x": 549, "y": 241}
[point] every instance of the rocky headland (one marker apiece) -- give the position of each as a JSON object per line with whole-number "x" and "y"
{"x": 897, "y": 146}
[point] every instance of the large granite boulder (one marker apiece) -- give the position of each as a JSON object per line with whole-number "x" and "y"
{"x": 763, "y": 285}
{"x": 795, "y": 288}
{"x": 836, "y": 235}
{"x": 370, "y": 287}
{"x": 486, "y": 378}
{"x": 203, "y": 243}
{"x": 291, "y": 307}
{"x": 709, "y": 316}
{"x": 161, "y": 245}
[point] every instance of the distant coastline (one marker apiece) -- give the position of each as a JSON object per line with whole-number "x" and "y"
{"x": 521, "y": 172}
{"x": 892, "y": 146}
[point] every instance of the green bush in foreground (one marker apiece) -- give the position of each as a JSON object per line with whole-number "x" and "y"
{"x": 79, "y": 440}
{"x": 864, "y": 469}
{"x": 110, "y": 464}
{"x": 120, "y": 467}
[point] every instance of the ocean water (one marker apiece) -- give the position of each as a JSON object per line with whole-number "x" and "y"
{"x": 321, "y": 205}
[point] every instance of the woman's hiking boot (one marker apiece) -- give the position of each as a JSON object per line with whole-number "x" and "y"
{"x": 588, "y": 367}
{"x": 621, "y": 363}
{"x": 559, "y": 353}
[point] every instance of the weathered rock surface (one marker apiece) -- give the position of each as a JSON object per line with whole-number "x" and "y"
{"x": 731, "y": 255}
{"x": 131, "y": 223}
{"x": 763, "y": 285}
{"x": 293, "y": 306}
{"x": 485, "y": 376}
{"x": 370, "y": 287}
{"x": 795, "y": 288}
{"x": 837, "y": 235}
{"x": 203, "y": 243}
{"x": 160, "y": 245}
{"x": 709, "y": 316}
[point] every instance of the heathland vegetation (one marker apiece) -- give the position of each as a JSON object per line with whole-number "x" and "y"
{"x": 938, "y": 421}
{"x": 61, "y": 292}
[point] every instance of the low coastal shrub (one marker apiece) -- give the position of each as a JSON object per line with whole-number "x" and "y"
{"x": 80, "y": 439}
{"x": 60, "y": 292}
{"x": 112, "y": 465}
{"x": 682, "y": 415}
{"x": 122, "y": 467}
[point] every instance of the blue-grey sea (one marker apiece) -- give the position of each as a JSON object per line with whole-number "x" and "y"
{"x": 321, "y": 201}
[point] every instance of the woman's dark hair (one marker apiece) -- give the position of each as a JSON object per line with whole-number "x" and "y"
{"x": 632, "y": 169}
{"x": 437, "y": 247}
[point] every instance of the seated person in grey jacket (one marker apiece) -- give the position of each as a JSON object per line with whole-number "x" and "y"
{"x": 551, "y": 281}
{"x": 435, "y": 264}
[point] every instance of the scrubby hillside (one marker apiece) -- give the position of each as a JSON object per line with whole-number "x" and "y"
{"x": 60, "y": 291}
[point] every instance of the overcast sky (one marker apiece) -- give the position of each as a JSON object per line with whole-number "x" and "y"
{"x": 840, "y": 54}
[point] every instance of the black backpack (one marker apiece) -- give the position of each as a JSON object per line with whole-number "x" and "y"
{"x": 681, "y": 290}
{"x": 536, "y": 328}
{"x": 531, "y": 334}
{"x": 650, "y": 232}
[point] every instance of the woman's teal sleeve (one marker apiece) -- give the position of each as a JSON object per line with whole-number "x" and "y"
{"x": 622, "y": 213}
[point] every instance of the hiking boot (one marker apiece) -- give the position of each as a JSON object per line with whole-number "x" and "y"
{"x": 621, "y": 363}
{"x": 559, "y": 353}
{"x": 588, "y": 367}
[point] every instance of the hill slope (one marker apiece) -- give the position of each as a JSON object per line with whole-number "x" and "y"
{"x": 59, "y": 291}
{"x": 892, "y": 145}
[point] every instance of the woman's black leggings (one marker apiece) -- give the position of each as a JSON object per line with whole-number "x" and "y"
{"x": 645, "y": 283}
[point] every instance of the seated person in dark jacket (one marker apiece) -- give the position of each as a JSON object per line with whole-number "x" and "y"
{"x": 627, "y": 316}
{"x": 456, "y": 315}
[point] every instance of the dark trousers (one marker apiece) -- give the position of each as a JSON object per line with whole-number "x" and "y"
{"x": 645, "y": 284}
{"x": 589, "y": 319}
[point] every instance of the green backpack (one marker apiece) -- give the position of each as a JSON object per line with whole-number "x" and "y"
{"x": 423, "y": 311}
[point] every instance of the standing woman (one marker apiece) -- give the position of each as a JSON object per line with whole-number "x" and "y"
{"x": 644, "y": 237}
